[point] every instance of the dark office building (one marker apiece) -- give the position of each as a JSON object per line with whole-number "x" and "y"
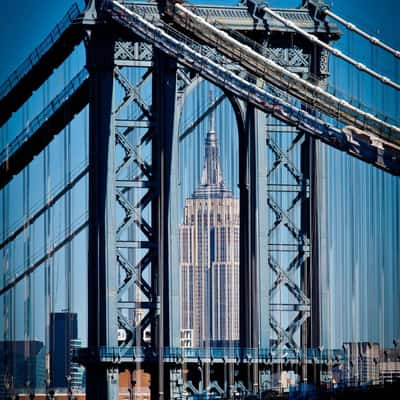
{"x": 63, "y": 328}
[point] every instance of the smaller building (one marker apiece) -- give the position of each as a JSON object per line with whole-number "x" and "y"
{"x": 22, "y": 366}
{"x": 76, "y": 370}
{"x": 389, "y": 366}
{"x": 186, "y": 338}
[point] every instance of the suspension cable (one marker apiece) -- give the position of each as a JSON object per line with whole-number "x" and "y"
{"x": 351, "y": 27}
{"x": 290, "y": 76}
{"x": 336, "y": 52}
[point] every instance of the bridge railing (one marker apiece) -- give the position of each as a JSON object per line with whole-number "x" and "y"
{"x": 43, "y": 116}
{"x": 35, "y": 56}
{"x": 217, "y": 354}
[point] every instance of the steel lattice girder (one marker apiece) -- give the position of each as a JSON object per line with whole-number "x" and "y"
{"x": 135, "y": 190}
{"x": 286, "y": 269}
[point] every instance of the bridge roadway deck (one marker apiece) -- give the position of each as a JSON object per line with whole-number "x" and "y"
{"x": 216, "y": 355}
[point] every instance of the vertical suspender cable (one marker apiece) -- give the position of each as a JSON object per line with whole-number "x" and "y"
{"x": 46, "y": 266}
{"x": 68, "y": 215}
{"x": 26, "y": 260}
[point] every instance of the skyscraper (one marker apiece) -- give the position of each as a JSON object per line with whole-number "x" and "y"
{"x": 209, "y": 257}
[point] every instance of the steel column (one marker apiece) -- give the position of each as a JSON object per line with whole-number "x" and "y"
{"x": 254, "y": 279}
{"x": 165, "y": 212}
{"x": 102, "y": 380}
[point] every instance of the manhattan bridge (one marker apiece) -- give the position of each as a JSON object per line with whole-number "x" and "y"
{"x": 201, "y": 201}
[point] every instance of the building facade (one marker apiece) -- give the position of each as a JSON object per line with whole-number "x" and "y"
{"x": 362, "y": 367}
{"x": 209, "y": 257}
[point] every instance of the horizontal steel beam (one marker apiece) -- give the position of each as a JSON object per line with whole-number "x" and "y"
{"x": 290, "y": 307}
{"x": 138, "y": 305}
{"x": 134, "y": 184}
{"x": 132, "y": 124}
{"x": 240, "y": 19}
{"x": 137, "y": 244}
{"x": 275, "y": 187}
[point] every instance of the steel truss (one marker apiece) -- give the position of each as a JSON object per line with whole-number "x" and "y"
{"x": 288, "y": 195}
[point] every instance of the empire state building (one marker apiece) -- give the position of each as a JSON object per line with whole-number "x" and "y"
{"x": 209, "y": 257}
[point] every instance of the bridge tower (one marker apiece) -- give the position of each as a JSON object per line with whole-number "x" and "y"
{"x": 147, "y": 221}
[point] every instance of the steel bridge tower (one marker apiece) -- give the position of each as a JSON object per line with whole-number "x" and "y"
{"x": 264, "y": 208}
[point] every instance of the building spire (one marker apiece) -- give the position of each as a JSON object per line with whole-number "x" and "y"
{"x": 212, "y": 174}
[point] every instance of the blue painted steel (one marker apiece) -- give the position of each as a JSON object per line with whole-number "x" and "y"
{"x": 195, "y": 56}
{"x": 102, "y": 379}
{"x": 225, "y": 355}
{"x": 254, "y": 271}
{"x": 34, "y": 71}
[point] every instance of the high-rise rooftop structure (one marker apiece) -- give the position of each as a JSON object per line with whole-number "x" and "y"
{"x": 209, "y": 257}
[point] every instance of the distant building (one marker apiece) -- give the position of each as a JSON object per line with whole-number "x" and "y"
{"x": 284, "y": 380}
{"x": 22, "y": 366}
{"x": 186, "y": 338}
{"x": 362, "y": 367}
{"x": 63, "y": 328}
{"x": 134, "y": 385}
{"x": 76, "y": 370}
{"x": 209, "y": 257}
{"x": 389, "y": 366}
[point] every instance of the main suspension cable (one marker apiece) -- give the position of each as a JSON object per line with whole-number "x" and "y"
{"x": 224, "y": 38}
{"x": 313, "y": 39}
{"x": 351, "y": 27}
